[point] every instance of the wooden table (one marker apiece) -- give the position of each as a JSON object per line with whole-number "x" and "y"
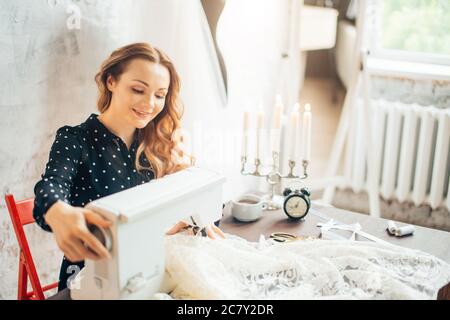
{"x": 432, "y": 241}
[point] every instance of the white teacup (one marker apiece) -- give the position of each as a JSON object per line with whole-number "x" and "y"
{"x": 248, "y": 207}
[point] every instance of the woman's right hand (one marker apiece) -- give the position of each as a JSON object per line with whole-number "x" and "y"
{"x": 69, "y": 226}
{"x": 211, "y": 230}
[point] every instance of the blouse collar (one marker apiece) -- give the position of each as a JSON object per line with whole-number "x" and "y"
{"x": 99, "y": 131}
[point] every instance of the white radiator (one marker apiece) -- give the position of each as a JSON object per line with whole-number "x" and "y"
{"x": 412, "y": 152}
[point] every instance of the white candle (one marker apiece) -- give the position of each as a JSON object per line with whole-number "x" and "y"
{"x": 295, "y": 117}
{"x": 278, "y": 113}
{"x": 245, "y": 134}
{"x": 259, "y": 132}
{"x": 277, "y": 120}
{"x": 307, "y": 119}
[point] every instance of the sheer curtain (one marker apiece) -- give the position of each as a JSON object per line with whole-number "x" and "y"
{"x": 258, "y": 39}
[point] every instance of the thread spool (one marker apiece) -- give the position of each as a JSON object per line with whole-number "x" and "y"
{"x": 404, "y": 231}
{"x": 391, "y": 227}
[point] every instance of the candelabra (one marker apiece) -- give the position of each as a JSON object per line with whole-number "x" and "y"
{"x": 274, "y": 176}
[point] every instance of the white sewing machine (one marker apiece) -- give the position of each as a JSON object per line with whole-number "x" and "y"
{"x": 141, "y": 215}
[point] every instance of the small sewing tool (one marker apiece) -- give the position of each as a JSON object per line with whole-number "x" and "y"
{"x": 195, "y": 228}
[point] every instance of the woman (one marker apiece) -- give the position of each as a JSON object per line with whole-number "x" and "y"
{"x": 131, "y": 142}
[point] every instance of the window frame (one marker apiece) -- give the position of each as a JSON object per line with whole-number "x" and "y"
{"x": 377, "y": 51}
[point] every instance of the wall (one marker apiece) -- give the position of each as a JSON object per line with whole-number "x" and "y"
{"x": 423, "y": 92}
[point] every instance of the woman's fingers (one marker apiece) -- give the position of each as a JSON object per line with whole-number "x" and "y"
{"x": 218, "y": 231}
{"x": 212, "y": 231}
{"x": 68, "y": 253}
{"x": 176, "y": 228}
{"x": 209, "y": 232}
{"x": 99, "y": 250}
{"x": 71, "y": 253}
{"x": 75, "y": 250}
{"x": 66, "y": 246}
{"x": 79, "y": 247}
{"x": 91, "y": 241}
{"x": 95, "y": 218}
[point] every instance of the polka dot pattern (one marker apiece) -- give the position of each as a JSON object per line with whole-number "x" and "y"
{"x": 86, "y": 162}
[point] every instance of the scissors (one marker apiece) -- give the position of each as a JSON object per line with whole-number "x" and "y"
{"x": 196, "y": 228}
{"x": 284, "y": 237}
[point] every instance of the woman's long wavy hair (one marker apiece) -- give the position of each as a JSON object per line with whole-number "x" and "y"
{"x": 159, "y": 141}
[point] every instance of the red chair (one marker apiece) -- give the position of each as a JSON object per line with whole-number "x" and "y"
{"x": 21, "y": 213}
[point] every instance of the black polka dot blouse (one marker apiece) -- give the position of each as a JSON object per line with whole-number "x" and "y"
{"x": 87, "y": 162}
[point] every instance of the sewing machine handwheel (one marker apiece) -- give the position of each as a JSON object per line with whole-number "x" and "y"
{"x": 103, "y": 235}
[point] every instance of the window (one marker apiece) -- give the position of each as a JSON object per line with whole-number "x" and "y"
{"x": 411, "y": 30}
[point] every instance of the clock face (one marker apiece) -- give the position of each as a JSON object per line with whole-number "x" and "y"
{"x": 296, "y": 206}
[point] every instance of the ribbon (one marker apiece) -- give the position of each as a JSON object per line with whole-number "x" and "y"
{"x": 355, "y": 228}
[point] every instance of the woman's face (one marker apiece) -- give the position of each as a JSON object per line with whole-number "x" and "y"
{"x": 140, "y": 93}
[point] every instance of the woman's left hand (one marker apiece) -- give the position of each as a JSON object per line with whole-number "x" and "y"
{"x": 211, "y": 230}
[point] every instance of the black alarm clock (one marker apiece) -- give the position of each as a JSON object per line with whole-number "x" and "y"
{"x": 296, "y": 202}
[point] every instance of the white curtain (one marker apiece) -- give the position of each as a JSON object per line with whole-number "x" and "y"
{"x": 253, "y": 36}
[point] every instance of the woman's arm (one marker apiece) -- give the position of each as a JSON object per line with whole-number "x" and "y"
{"x": 52, "y": 210}
{"x": 59, "y": 175}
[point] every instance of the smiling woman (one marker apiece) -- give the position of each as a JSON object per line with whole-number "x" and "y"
{"x": 131, "y": 142}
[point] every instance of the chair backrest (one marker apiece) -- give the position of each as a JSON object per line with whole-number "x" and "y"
{"x": 25, "y": 211}
{"x": 21, "y": 213}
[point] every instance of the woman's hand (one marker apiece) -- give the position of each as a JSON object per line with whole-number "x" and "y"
{"x": 69, "y": 225}
{"x": 212, "y": 231}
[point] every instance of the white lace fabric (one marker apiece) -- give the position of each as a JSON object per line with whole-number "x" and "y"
{"x": 233, "y": 268}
